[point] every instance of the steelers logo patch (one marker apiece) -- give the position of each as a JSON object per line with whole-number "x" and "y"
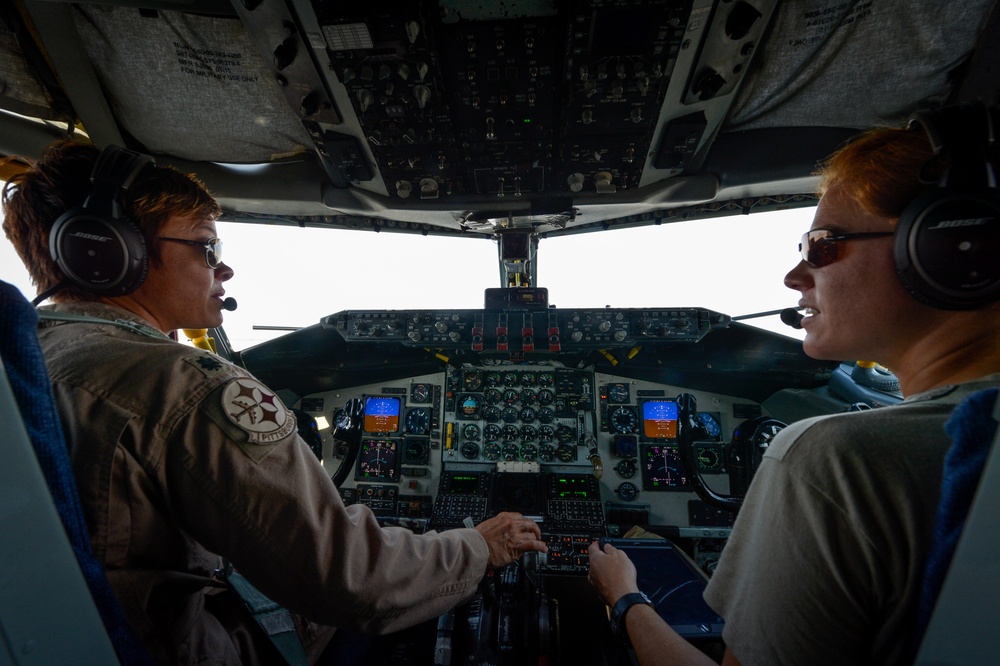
{"x": 257, "y": 411}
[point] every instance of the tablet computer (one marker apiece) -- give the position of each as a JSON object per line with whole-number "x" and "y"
{"x": 674, "y": 584}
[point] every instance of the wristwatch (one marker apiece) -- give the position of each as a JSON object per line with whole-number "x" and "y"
{"x": 618, "y": 611}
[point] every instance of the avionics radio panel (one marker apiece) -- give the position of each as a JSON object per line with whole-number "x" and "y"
{"x": 526, "y": 330}
{"x": 560, "y": 503}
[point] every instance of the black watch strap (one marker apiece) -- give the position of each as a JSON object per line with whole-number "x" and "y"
{"x": 619, "y": 610}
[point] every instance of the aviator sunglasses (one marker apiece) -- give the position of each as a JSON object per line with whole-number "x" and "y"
{"x": 213, "y": 248}
{"x": 819, "y": 246}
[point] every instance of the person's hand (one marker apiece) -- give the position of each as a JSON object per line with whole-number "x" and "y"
{"x": 508, "y": 535}
{"x": 611, "y": 572}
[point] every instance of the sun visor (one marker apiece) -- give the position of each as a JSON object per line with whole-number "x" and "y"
{"x": 190, "y": 86}
{"x": 844, "y": 64}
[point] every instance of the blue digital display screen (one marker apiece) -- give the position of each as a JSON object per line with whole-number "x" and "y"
{"x": 659, "y": 419}
{"x": 381, "y": 414}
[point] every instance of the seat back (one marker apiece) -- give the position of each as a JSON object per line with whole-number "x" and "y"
{"x": 962, "y": 581}
{"x": 56, "y": 605}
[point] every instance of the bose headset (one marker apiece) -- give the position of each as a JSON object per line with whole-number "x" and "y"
{"x": 947, "y": 243}
{"x": 95, "y": 245}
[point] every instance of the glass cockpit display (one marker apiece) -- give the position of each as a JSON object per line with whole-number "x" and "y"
{"x": 381, "y": 414}
{"x": 659, "y": 419}
{"x": 378, "y": 460}
{"x": 661, "y": 467}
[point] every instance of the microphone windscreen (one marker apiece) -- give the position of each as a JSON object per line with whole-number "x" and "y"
{"x": 230, "y": 304}
{"x": 791, "y": 317}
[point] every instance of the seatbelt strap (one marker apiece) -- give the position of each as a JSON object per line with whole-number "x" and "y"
{"x": 275, "y": 620}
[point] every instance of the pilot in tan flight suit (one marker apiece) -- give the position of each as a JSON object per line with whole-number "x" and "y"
{"x": 183, "y": 459}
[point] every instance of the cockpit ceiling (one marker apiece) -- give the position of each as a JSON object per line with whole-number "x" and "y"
{"x": 438, "y": 115}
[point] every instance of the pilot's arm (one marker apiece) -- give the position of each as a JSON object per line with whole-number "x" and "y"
{"x": 251, "y": 490}
{"x": 654, "y": 641}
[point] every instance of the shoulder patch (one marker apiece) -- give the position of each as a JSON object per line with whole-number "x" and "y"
{"x": 256, "y": 410}
{"x": 208, "y": 364}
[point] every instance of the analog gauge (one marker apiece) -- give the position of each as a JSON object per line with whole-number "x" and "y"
{"x": 420, "y": 393}
{"x": 511, "y": 379}
{"x": 528, "y": 452}
{"x": 626, "y": 468}
{"x": 546, "y": 415}
{"x": 623, "y": 420}
{"x": 564, "y": 434}
{"x": 341, "y": 420}
{"x": 468, "y": 407}
{"x": 491, "y": 451}
{"x": 528, "y": 379}
{"x": 492, "y": 396}
{"x": 510, "y": 433}
{"x": 528, "y": 433}
{"x": 418, "y": 421}
{"x": 510, "y": 397}
{"x": 618, "y": 393}
{"x": 509, "y": 451}
{"x": 546, "y": 397}
{"x": 627, "y": 491}
{"x": 546, "y": 379}
{"x": 529, "y": 396}
{"x": 416, "y": 451}
{"x": 710, "y": 423}
{"x": 509, "y": 414}
{"x": 491, "y": 413}
{"x": 491, "y": 433}
{"x": 709, "y": 458}
{"x": 471, "y": 431}
{"x": 492, "y": 378}
{"x": 473, "y": 380}
{"x": 565, "y": 453}
{"x": 560, "y": 405}
{"x": 470, "y": 450}
{"x": 546, "y": 434}
{"x": 527, "y": 415}
{"x": 546, "y": 453}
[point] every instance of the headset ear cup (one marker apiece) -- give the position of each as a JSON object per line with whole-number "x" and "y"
{"x": 947, "y": 248}
{"x": 95, "y": 245}
{"x": 101, "y": 254}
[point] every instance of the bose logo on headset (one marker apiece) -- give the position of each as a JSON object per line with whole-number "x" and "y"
{"x": 947, "y": 224}
{"x": 95, "y": 245}
{"x": 958, "y": 266}
{"x": 102, "y": 239}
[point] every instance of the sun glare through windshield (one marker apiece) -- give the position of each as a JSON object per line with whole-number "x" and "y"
{"x": 288, "y": 277}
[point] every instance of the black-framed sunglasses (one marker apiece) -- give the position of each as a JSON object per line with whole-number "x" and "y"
{"x": 213, "y": 248}
{"x": 819, "y": 246}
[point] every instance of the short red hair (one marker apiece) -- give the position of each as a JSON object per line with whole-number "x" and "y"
{"x": 883, "y": 169}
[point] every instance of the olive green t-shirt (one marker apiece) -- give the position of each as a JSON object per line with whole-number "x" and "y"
{"x": 825, "y": 562}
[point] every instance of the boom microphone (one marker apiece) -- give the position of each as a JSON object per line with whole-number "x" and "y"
{"x": 792, "y": 317}
{"x": 230, "y": 305}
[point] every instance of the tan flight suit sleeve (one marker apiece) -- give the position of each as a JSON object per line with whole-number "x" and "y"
{"x": 248, "y": 488}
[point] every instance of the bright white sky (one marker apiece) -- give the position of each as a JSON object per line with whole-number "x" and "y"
{"x": 289, "y": 276}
